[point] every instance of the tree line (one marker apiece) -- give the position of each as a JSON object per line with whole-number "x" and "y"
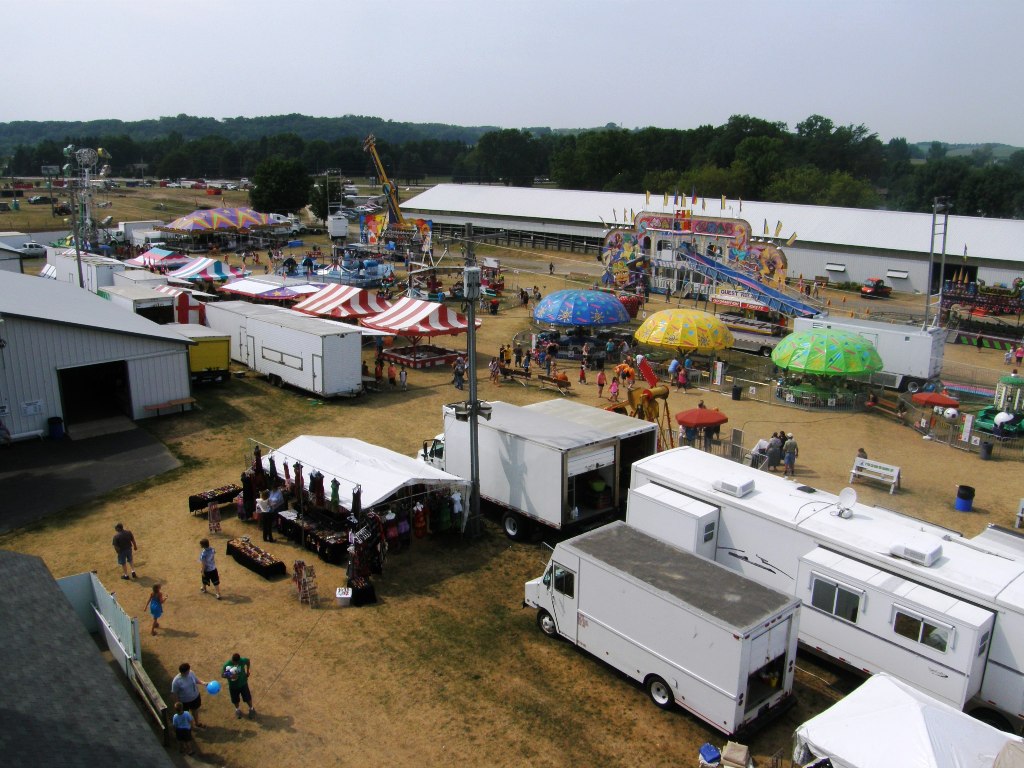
{"x": 818, "y": 163}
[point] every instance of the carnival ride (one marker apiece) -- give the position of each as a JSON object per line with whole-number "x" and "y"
{"x": 398, "y": 230}
{"x": 650, "y": 403}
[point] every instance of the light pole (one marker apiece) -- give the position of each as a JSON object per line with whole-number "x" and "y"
{"x": 939, "y": 205}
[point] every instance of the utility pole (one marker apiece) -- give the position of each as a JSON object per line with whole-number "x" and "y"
{"x": 939, "y": 205}
{"x": 471, "y": 293}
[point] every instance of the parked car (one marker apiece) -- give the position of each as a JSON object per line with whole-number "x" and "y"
{"x": 40, "y": 200}
{"x": 62, "y": 209}
{"x": 875, "y": 288}
{"x": 173, "y": 185}
{"x": 32, "y": 250}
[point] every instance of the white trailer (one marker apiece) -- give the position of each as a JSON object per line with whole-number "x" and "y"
{"x": 125, "y": 229}
{"x": 882, "y": 592}
{"x": 139, "y": 277}
{"x": 690, "y": 631}
{"x": 142, "y": 300}
{"x": 537, "y": 468}
{"x": 315, "y": 355}
{"x": 911, "y": 355}
{"x": 337, "y": 227}
{"x": 97, "y": 271}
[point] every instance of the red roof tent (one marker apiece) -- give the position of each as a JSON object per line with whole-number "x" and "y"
{"x": 341, "y": 302}
{"x": 415, "y": 318}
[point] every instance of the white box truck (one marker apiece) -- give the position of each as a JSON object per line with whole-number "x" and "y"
{"x": 692, "y": 632}
{"x": 911, "y": 355}
{"x": 537, "y": 468}
{"x": 125, "y": 229}
{"x": 881, "y": 591}
{"x": 315, "y": 355}
{"x": 337, "y": 227}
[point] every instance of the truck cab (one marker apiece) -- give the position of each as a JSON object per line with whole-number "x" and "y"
{"x": 875, "y": 288}
{"x": 433, "y": 452}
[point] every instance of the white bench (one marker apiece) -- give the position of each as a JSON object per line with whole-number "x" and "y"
{"x": 876, "y": 470}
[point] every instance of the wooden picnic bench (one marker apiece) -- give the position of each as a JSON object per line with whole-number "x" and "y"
{"x": 516, "y": 375}
{"x": 563, "y": 386}
{"x": 876, "y": 470}
{"x": 180, "y": 403}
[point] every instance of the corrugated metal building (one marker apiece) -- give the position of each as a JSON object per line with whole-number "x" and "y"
{"x": 68, "y": 353}
{"x": 847, "y": 244}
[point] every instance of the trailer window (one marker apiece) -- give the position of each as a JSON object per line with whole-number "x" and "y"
{"x": 832, "y": 597}
{"x": 983, "y": 643}
{"x": 922, "y": 630}
{"x": 565, "y": 581}
{"x": 709, "y": 532}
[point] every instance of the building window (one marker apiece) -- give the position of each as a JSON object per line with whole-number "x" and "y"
{"x": 830, "y": 267}
{"x": 983, "y": 643}
{"x": 916, "y": 627}
{"x": 832, "y": 597}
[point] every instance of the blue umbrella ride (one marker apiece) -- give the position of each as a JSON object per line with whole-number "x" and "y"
{"x": 580, "y": 308}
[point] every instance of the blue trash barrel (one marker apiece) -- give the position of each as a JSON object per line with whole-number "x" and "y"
{"x": 964, "y": 498}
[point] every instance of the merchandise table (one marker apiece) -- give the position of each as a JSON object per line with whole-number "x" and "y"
{"x": 198, "y": 502}
{"x": 255, "y": 559}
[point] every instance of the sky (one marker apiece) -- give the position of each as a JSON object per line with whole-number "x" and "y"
{"x": 916, "y": 69}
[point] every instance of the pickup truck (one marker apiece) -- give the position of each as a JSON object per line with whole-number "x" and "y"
{"x": 32, "y": 250}
{"x": 875, "y": 288}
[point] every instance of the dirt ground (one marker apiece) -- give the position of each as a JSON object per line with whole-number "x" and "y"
{"x": 447, "y": 668}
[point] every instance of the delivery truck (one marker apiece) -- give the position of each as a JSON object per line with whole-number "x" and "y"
{"x": 690, "y": 631}
{"x": 539, "y": 469}
{"x": 209, "y": 359}
{"x": 881, "y": 591}
{"x": 911, "y": 355}
{"x": 318, "y": 356}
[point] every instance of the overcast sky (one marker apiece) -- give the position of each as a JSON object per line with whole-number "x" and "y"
{"x": 922, "y": 70}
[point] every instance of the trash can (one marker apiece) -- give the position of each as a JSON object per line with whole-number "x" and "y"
{"x": 985, "y": 450}
{"x": 56, "y": 424}
{"x": 737, "y": 392}
{"x": 964, "y": 498}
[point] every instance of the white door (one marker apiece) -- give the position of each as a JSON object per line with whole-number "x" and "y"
{"x": 563, "y": 588}
{"x": 318, "y": 373}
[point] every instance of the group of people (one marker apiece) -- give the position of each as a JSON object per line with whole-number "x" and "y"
{"x": 782, "y": 448}
{"x": 397, "y": 376}
{"x": 1012, "y": 355}
{"x": 186, "y": 689}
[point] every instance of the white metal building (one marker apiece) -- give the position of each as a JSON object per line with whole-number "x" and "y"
{"x": 68, "y": 353}
{"x": 847, "y": 244}
{"x": 10, "y": 259}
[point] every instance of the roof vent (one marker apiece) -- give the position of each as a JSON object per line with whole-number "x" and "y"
{"x": 923, "y": 551}
{"x": 737, "y": 488}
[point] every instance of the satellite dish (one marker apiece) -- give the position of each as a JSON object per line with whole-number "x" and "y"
{"x": 847, "y": 498}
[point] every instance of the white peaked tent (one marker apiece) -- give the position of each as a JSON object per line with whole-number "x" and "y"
{"x": 380, "y": 472}
{"x": 886, "y": 722}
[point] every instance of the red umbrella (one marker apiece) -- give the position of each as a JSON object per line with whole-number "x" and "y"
{"x": 935, "y": 398}
{"x": 701, "y": 417}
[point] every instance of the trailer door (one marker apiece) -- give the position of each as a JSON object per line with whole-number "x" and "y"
{"x": 318, "y": 373}
{"x": 250, "y": 351}
{"x": 767, "y": 666}
{"x": 564, "y": 589}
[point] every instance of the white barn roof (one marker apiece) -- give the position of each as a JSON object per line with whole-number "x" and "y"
{"x": 996, "y": 239}
{"x": 56, "y": 302}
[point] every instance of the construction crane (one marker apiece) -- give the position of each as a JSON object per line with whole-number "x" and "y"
{"x": 397, "y": 220}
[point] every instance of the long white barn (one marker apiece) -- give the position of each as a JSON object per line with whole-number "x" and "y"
{"x": 847, "y": 244}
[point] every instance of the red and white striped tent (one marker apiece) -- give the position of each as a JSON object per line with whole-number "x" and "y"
{"x": 155, "y": 258}
{"x": 206, "y": 269}
{"x": 415, "y": 318}
{"x": 186, "y": 308}
{"x": 341, "y": 302}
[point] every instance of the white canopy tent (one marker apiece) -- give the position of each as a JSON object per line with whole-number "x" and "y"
{"x": 380, "y": 472}
{"x": 886, "y": 722}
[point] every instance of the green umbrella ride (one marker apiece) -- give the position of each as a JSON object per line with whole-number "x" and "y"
{"x": 827, "y": 352}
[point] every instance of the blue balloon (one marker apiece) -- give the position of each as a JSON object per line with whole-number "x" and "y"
{"x": 213, "y": 687}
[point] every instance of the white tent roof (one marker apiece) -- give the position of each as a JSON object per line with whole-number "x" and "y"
{"x": 886, "y": 722}
{"x": 378, "y": 470}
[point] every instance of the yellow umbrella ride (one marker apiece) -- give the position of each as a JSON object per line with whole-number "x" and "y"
{"x": 688, "y": 330}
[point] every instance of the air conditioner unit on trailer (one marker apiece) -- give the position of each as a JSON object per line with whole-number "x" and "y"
{"x": 921, "y": 550}
{"x": 737, "y": 488}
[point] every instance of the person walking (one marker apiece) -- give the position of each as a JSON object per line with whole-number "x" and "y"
{"x": 185, "y": 687}
{"x": 268, "y": 516}
{"x": 155, "y": 606}
{"x": 403, "y": 379}
{"x": 392, "y": 375}
{"x": 1019, "y": 354}
{"x": 519, "y": 355}
{"x": 125, "y": 544}
{"x": 613, "y": 391}
{"x": 790, "y": 450}
{"x": 237, "y": 670}
{"x": 208, "y": 569}
{"x": 774, "y": 452}
{"x": 601, "y": 381}
{"x": 583, "y": 373}
{"x": 182, "y": 722}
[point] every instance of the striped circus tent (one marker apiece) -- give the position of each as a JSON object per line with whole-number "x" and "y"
{"x": 206, "y": 269}
{"x": 342, "y": 302}
{"x": 159, "y": 257}
{"x": 415, "y": 318}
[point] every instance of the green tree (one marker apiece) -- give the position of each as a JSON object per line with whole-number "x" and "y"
{"x": 281, "y": 186}
{"x": 510, "y": 156}
{"x": 324, "y": 198}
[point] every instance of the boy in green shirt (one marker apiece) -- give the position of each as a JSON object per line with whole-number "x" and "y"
{"x": 237, "y": 670}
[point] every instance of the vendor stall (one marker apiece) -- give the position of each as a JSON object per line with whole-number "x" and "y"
{"x": 199, "y": 502}
{"x": 255, "y": 559}
{"x": 415, "y": 319}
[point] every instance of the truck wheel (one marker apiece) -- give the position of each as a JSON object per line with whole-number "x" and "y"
{"x": 514, "y": 525}
{"x": 546, "y": 623}
{"x": 766, "y": 351}
{"x": 992, "y": 718}
{"x": 913, "y": 385}
{"x": 659, "y": 692}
